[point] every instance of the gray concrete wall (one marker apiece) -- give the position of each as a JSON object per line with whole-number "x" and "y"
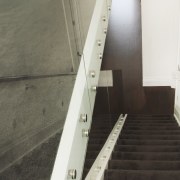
{"x": 29, "y": 107}
{"x": 33, "y": 42}
{"x": 33, "y": 38}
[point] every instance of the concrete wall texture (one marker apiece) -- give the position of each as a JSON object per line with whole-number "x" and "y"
{"x": 33, "y": 42}
{"x": 31, "y": 111}
{"x": 38, "y": 39}
{"x": 33, "y": 38}
{"x": 27, "y": 106}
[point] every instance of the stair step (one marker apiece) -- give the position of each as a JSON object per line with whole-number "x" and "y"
{"x": 148, "y": 147}
{"x": 148, "y": 142}
{"x": 109, "y": 127}
{"x": 102, "y": 116}
{"x": 97, "y": 141}
{"x": 151, "y": 128}
{"x": 143, "y": 165}
{"x": 88, "y": 163}
{"x": 152, "y": 148}
{"x": 107, "y": 130}
{"x": 157, "y": 137}
{"x": 141, "y": 175}
{"x": 149, "y": 118}
{"x": 92, "y": 154}
{"x": 146, "y": 132}
{"x": 162, "y": 156}
{"x": 103, "y": 128}
{"x": 100, "y": 130}
{"x": 92, "y": 147}
{"x": 150, "y": 124}
{"x": 104, "y": 121}
{"x": 98, "y": 135}
{"x": 149, "y": 115}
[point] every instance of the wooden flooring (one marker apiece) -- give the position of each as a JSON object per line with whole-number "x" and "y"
{"x": 123, "y": 53}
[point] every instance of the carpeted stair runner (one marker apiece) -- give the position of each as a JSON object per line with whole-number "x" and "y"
{"x": 37, "y": 165}
{"x": 100, "y": 130}
{"x": 148, "y": 148}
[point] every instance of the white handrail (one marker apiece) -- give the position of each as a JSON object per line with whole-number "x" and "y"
{"x": 71, "y": 152}
{"x": 99, "y": 166}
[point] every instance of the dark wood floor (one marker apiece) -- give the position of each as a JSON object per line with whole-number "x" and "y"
{"x": 123, "y": 52}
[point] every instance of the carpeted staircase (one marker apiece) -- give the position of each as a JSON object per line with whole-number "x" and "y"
{"x": 99, "y": 133}
{"x": 37, "y": 165}
{"x": 148, "y": 149}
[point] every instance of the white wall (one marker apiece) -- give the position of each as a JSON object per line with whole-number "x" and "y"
{"x": 160, "y": 33}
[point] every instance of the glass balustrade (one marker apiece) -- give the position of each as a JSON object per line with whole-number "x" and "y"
{"x": 50, "y": 58}
{"x": 41, "y": 45}
{"x": 90, "y": 26}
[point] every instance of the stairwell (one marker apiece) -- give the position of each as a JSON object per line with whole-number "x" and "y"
{"x": 147, "y": 149}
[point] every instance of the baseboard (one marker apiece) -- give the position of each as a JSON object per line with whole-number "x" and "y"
{"x": 159, "y": 81}
{"x": 22, "y": 148}
{"x": 177, "y": 114}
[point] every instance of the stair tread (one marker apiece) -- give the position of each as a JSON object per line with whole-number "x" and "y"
{"x": 164, "y": 156}
{"x": 152, "y": 148}
{"x": 150, "y": 124}
{"x": 141, "y": 175}
{"x": 148, "y": 142}
{"x": 148, "y": 147}
{"x": 92, "y": 154}
{"x": 150, "y": 128}
{"x": 144, "y": 165}
{"x": 147, "y": 132}
{"x": 147, "y": 137}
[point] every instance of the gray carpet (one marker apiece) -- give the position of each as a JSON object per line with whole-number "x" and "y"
{"x": 148, "y": 148}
